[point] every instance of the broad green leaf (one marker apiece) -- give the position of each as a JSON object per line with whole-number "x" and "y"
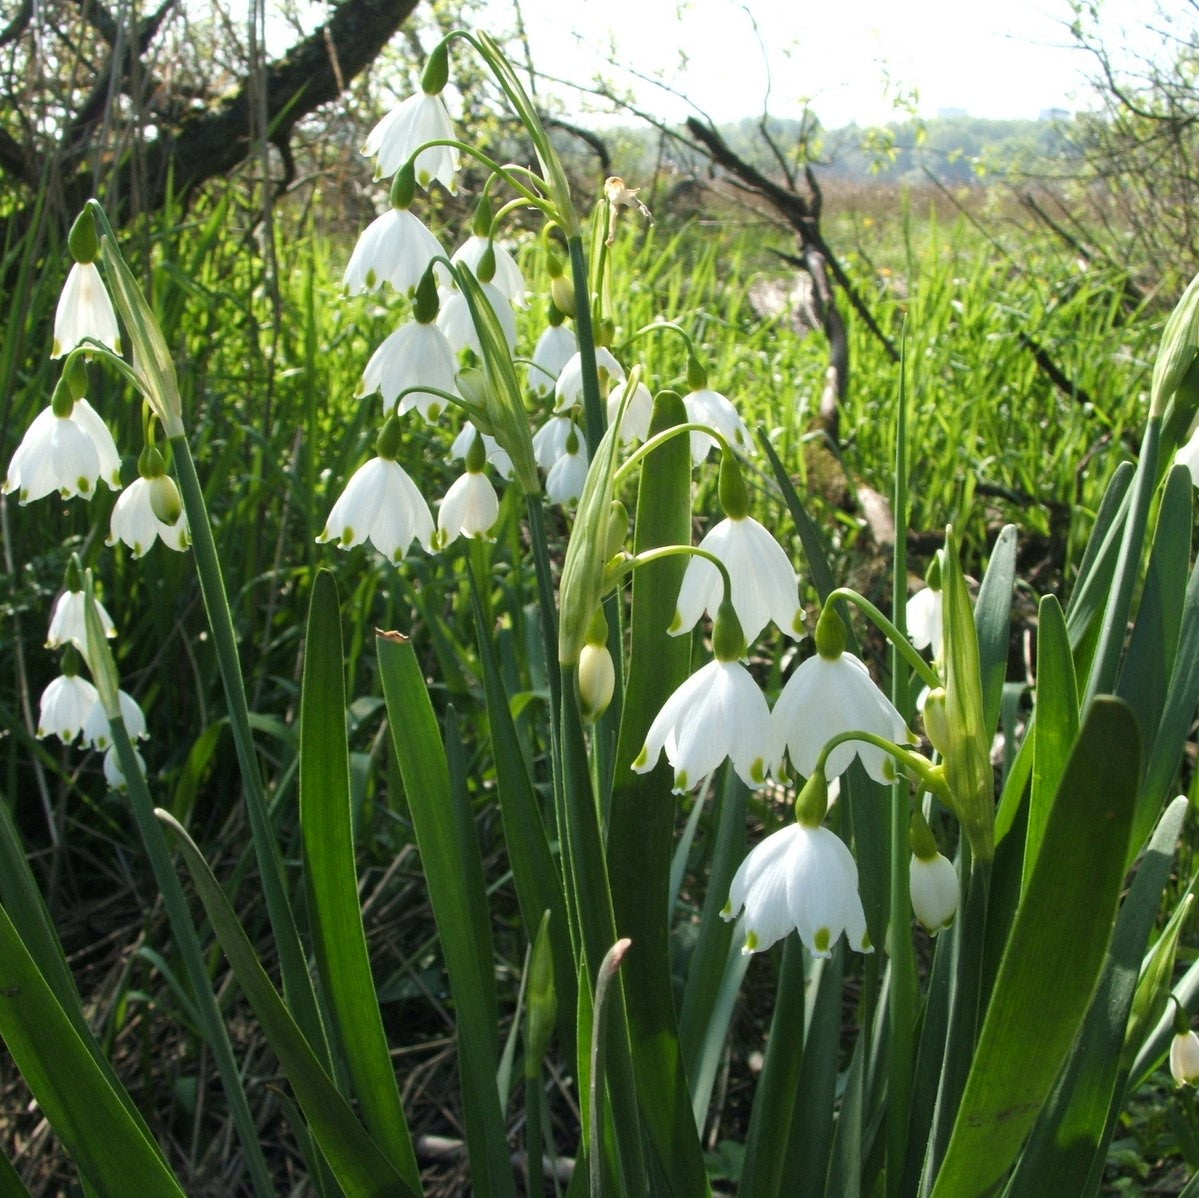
{"x": 331, "y": 876}
{"x": 1182, "y": 695}
{"x": 1053, "y": 957}
{"x": 77, "y": 1097}
{"x": 356, "y": 1161}
{"x": 1150, "y": 658}
{"x": 642, "y": 811}
{"x": 1056, "y": 725}
{"x": 1070, "y": 1137}
{"x": 454, "y": 876}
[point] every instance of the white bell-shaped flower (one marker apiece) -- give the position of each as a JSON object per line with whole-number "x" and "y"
{"x": 380, "y": 504}
{"x": 507, "y": 280}
{"x": 763, "y": 581}
{"x": 67, "y": 625}
{"x": 135, "y": 523}
{"x": 705, "y": 406}
{"x": 64, "y": 707}
{"x": 455, "y": 321}
{"x": 419, "y": 119}
{"x": 555, "y": 347}
{"x": 97, "y": 731}
{"x": 470, "y": 508}
{"x": 718, "y": 712}
{"x": 830, "y": 695}
{"x": 67, "y": 454}
{"x": 395, "y": 248}
{"x": 804, "y": 878}
{"x": 84, "y": 310}
{"x": 415, "y": 355}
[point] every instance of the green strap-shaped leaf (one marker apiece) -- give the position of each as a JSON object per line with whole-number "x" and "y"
{"x": 1054, "y": 955}
{"x": 1069, "y": 1140}
{"x": 331, "y": 876}
{"x": 1056, "y": 726}
{"x": 76, "y": 1095}
{"x": 642, "y": 811}
{"x": 454, "y": 875}
{"x": 356, "y": 1161}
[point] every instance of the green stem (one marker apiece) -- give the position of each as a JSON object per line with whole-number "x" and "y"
{"x": 901, "y": 642}
{"x": 184, "y": 933}
{"x": 593, "y": 411}
{"x": 297, "y": 983}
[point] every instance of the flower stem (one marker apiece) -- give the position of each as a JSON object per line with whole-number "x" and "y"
{"x": 901, "y": 642}
{"x": 297, "y": 982}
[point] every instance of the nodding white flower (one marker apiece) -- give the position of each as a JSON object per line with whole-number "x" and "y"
{"x": 135, "y": 523}
{"x": 497, "y": 456}
{"x": 65, "y": 454}
{"x": 560, "y": 449}
{"x": 414, "y": 355}
{"x": 718, "y": 712}
{"x": 925, "y": 620}
{"x": 67, "y": 625}
{"x": 64, "y": 706}
{"x": 568, "y": 391}
{"x": 114, "y": 775}
{"x": 507, "y": 280}
{"x": 380, "y": 504}
{"x": 1184, "y": 1058}
{"x": 419, "y": 119}
{"x": 638, "y": 413}
{"x": 84, "y": 310}
{"x": 555, "y": 347}
{"x": 470, "y": 508}
{"x": 934, "y": 890}
{"x": 96, "y": 729}
{"x": 455, "y": 321}
{"x": 395, "y": 248}
{"x": 711, "y": 408}
{"x": 764, "y": 581}
{"x": 596, "y": 680}
{"x": 827, "y": 696}
{"x": 565, "y": 478}
{"x": 804, "y": 878}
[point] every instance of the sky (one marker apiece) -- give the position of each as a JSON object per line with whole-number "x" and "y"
{"x": 850, "y": 60}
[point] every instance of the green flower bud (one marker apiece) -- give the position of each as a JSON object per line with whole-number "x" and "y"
{"x": 596, "y": 679}
{"x": 62, "y": 402}
{"x": 387, "y": 446}
{"x": 936, "y": 722}
{"x": 83, "y": 241}
{"x": 437, "y": 71}
{"x": 76, "y": 376}
{"x": 831, "y": 636}
{"x": 425, "y": 303}
{"x": 728, "y": 640}
{"x": 697, "y": 376}
{"x": 562, "y": 292}
{"x": 811, "y": 804}
{"x": 403, "y": 186}
{"x": 1177, "y": 351}
{"x": 734, "y": 498}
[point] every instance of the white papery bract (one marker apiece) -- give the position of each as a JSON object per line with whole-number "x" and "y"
{"x": 415, "y": 355}
{"x": 803, "y": 878}
{"x": 470, "y": 508}
{"x": 84, "y": 310}
{"x": 764, "y": 581}
{"x": 67, "y": 454}
{"x": 96, "y": 729}
{"x": 933, "y": 887}
{"x": 924, "y": 618}
{"x": 135, "y": 523}
{"x": 380, "y": 504}
{"x": 713, "y": 409}
{"x": 65, "y": 706}
{"x": 555, "y": 347}
{"x": 718, "y": 712}
{"x": 113, "y": 774}
{"x": 396, "y": 248}
{"x": 507, "y": 280}
{"x": 67, "y": 622}
{"x": 825, "y": 697}
{"x": 419, "y": 119}
{"x": 568, "y": 391}
{"x": 454, "y": 319}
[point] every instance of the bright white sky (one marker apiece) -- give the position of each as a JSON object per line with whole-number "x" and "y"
{"x": 992, "y": 58}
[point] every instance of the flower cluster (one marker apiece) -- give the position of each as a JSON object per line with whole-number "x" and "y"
{"x": 70, "y": 706}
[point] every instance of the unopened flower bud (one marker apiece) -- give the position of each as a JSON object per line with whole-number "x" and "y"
{"x": 597, "y": 681}
{"x": 933, "y": 887}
